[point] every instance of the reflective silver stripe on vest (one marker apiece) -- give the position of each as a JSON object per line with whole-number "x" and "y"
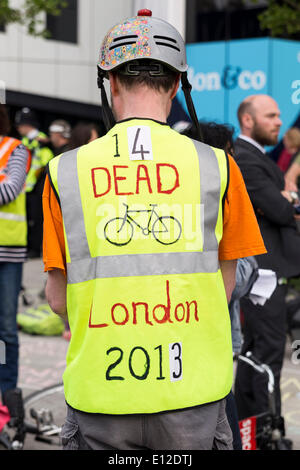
{"x": 83, "y": 267}
{"x": 5, "y": 147}
{"x": 11, "y": 216}
{"x": 69, "y": 194}
{"x": 210, "y": 187}
{"x": 142, "y": 265}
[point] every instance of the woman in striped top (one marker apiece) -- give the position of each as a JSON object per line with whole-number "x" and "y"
{"x": 14, "y": 164}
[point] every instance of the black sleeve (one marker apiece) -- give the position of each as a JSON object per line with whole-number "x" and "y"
{"x": 265, "y": 195}
{"x": 51, "y": 183}
{"x": 228, "y": 177}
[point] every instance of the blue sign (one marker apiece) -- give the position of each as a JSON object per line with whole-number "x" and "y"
{"x": 285, "y": 86}
{"x": 222, "y": 74}
{"x": 206, "y": 65}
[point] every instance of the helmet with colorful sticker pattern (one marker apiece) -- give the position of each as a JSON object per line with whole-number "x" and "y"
{"x": 143, "y": 37}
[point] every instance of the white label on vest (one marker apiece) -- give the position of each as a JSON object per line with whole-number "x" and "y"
{"x": 139, "y": 143}
{"x": 175, "y": 357}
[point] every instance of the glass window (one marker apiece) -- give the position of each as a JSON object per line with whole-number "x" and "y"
{"x": 65, "y": 26}
{"x": 206, "y": 21}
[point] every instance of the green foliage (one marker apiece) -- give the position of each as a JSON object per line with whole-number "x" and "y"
{"x": 7, "y": 14}
{"x": 29, "y": 14}
{"x": 282, "y": 18}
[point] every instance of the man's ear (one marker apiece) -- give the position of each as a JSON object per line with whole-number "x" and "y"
{"x": 176, "y": 86}
{"x": 247, "y": 121}
{"x": 114, "y": 84}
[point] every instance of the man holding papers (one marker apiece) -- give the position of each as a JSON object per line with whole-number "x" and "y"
{"x": 265, "y": 312}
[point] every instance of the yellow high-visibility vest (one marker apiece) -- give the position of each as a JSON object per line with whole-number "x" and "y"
{"x": 13, "y": 225}
{"x": 142, "y": 214}
{"x": 40, "y": 157}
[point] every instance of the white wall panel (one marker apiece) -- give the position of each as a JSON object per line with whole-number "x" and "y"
{"x": 9, "y": 73}
{"x": 37, "y": 78}
{"x": 10, "y": 43}
{"x": 73, "y": 82}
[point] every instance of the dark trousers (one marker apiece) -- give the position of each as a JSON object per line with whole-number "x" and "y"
{"x": 233, "y": 421}
{"x": 10, "y": 283}
{"x": 34, "y": 211}
{"x": 265, "y": 336}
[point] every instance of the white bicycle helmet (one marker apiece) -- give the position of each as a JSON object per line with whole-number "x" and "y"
{"x": 128, "y": 44}
{"x": 143, "y": 37}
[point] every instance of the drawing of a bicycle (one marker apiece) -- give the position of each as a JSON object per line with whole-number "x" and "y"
{"x": 166, "y": 229}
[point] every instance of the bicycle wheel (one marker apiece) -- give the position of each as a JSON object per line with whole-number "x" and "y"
{"x": 48, "y": 408}
{"x": 166, "y": 230}
{"x": 118, "y": 233}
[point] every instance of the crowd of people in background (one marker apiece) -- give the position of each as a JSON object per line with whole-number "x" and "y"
{"x": 23, "y": 163}
{"x": 60, "y": 138}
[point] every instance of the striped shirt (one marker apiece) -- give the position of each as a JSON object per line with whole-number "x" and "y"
{"x": 10, "y": 188}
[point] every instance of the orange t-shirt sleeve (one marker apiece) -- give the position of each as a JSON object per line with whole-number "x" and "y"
{"x": 53, "y": 238}
{"x": 241, "y": 233}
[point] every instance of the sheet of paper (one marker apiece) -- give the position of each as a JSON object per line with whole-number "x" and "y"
{"x": 263, "y": 287}
{"x": 256, "y": 300}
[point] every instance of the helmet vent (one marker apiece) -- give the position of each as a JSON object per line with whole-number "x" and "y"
{"x": 167, "y": 45}
{"x": 130, "y": 36}
{"x": 122, "y": 44}
{"x": 165, "y": 38}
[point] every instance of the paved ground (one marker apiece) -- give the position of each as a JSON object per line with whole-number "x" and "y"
{"x": 42, "y": 361}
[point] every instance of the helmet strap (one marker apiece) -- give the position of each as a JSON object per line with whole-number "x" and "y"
{"x": 187, "y": 88}
{"x": 108, "y": 117}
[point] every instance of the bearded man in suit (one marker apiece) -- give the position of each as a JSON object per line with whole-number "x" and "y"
{"x": 265, "y": 326}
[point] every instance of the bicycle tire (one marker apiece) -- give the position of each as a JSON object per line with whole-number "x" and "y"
{"x": 49, "y": 398}
{"x": 115, "y": 221}
{"x": 44, "y": 391}
{"x": 157, "y": 233}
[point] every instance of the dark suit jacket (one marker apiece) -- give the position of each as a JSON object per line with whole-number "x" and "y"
{"x": 265, "y": 181}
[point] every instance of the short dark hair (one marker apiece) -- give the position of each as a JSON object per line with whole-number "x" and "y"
{"x": 162, "y": 82}
{"x": 4, "y": 120}
{"x": 215, "y": 135}
{"x": 81, "y": 134}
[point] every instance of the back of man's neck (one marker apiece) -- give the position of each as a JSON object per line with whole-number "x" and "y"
{"x": 142, "y": 114}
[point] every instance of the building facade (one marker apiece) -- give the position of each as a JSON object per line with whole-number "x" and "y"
{"x": 57, "y": 77}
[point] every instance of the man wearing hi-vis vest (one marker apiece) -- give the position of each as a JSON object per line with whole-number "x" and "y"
{"x": 37, "y": 143}
{"x": 142, "y": 229}
{"x": 14, "y": 165}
